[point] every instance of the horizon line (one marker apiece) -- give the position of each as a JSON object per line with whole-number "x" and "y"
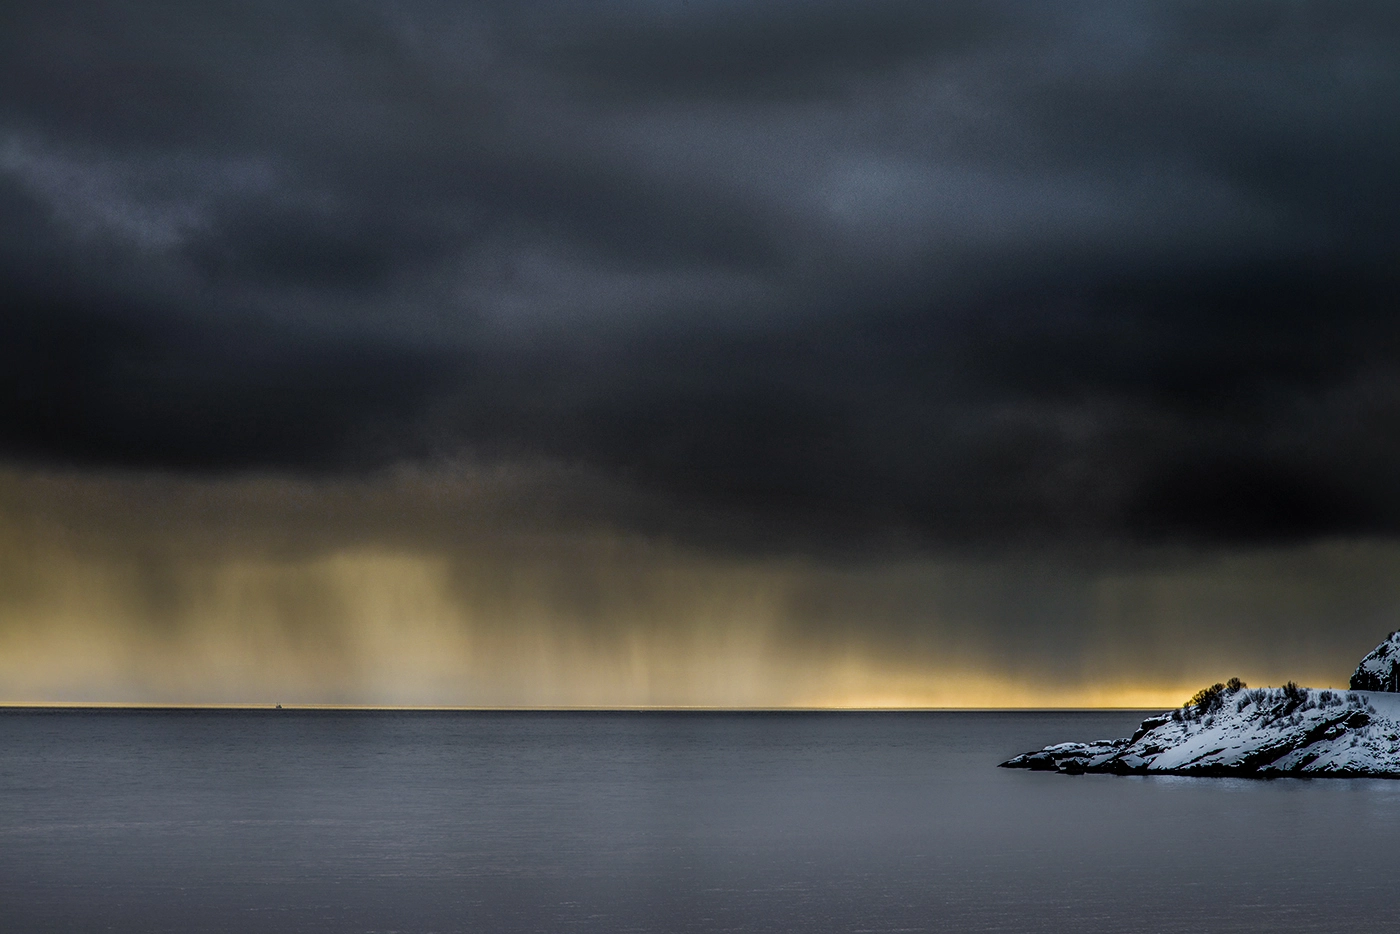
{"x": 647, "y": 708}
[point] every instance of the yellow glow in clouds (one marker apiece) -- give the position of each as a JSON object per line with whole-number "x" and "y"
{"x": 476, "y": 589}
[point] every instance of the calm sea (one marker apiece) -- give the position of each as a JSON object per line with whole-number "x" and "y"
{"x": 279, "y": 821}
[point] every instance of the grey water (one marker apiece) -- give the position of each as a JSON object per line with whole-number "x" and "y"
{"x": 353, "y": 821}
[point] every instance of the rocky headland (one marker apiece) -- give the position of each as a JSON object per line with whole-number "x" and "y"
{"x": 1230, "y": 729}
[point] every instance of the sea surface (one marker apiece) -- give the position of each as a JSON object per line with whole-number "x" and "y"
{"x": 353, "y": 821}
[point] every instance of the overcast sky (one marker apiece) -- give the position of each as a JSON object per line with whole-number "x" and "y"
{"x": 849, "y": 283}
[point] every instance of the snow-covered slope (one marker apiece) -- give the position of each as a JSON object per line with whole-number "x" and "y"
{"x": 1262, "y": 732}
{"x": 1380, "y": 670}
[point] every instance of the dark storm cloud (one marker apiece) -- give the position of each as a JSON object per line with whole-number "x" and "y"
{"x": 740, "y": 50}
{"x": 959, "y": 272}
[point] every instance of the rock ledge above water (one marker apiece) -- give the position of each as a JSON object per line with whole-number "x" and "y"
{"x": 1264, "y": 732}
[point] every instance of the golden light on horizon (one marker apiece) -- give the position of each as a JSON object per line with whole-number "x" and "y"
{"x": 148, "y": 590}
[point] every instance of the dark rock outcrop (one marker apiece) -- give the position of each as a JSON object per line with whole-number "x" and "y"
{"x": 1380, "y": 670}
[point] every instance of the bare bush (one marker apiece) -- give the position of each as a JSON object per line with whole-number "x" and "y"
{"x": 1207, "y": 699}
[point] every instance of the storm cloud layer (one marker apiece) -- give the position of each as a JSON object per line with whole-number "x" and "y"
{"x": 822, "y": 272}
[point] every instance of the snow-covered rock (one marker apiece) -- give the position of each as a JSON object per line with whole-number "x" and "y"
{"x": 1262, "y": 732}
{"x": 1380, "y": 671}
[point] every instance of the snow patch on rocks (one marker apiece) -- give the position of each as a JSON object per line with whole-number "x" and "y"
{"x": 1380, "y": 670}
